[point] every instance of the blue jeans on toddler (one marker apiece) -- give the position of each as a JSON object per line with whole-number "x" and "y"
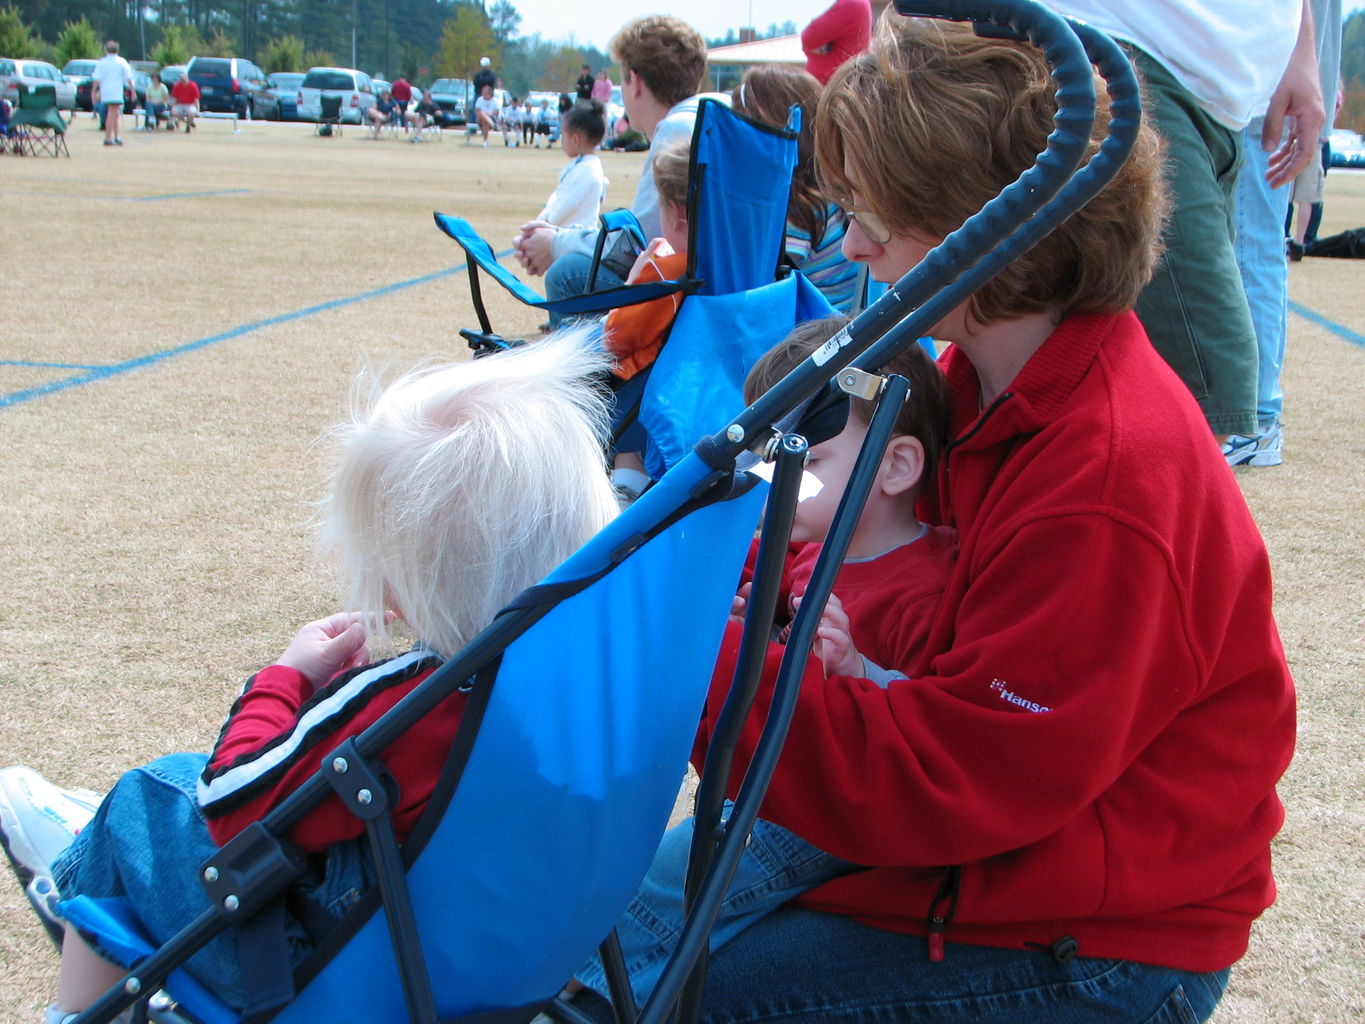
{"x": 146, "y": 844}
{"x": 776, "y": 865}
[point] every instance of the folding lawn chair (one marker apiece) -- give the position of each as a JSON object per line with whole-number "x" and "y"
{"x": 329, "y": 115}
{"x": 735, "y": 308}
{"x": 39, "y": 123}
{"x": 562, "y": 774}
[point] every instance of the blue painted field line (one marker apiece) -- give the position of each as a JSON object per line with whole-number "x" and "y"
{"x": 114, "y": 369}
{"x": 1322, "y": 321}
{"x": 186, "y": 195}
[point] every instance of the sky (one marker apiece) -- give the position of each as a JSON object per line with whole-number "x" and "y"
{"x": 595, "y": 23}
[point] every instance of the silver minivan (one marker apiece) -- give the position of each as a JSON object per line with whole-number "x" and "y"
{"x": 355, "y": 88}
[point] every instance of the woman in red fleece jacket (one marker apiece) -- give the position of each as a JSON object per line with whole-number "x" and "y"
{"x": 1066, "y": 810}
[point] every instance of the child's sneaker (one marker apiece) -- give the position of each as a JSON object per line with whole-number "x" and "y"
{"x": 38, "y": 820}
{"x": 37, "y": 823}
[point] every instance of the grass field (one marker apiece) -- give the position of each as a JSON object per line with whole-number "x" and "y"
{"x": 183, "y": 317}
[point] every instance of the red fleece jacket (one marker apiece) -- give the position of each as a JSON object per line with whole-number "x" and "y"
{"x": 1090, "y": 745}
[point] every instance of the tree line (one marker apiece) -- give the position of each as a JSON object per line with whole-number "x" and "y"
{"x": 420, "y": 39}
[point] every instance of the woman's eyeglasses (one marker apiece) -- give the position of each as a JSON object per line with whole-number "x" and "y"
{"x": 872, "y": 225}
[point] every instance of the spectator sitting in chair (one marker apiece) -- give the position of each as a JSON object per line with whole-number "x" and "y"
{"x": 384, "y": 111}
{"x": 156, "y": 107}
{"x": 663, "y": 61}
{"x": 185, "y": 92}
{"x": 487, "y": 111}
{"x": 423, "y": 114}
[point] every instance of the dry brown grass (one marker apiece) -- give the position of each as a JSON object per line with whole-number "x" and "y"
{"x": 155, "y": 542}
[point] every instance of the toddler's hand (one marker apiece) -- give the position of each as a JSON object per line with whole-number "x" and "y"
{"x": 833, "y": 641}
{"x": 322, "y": 649}
{"x": 740, "y": 605}
{"x": 656, "y": 247}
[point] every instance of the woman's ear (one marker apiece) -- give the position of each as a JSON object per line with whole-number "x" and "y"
{"x": 902, "y": 465}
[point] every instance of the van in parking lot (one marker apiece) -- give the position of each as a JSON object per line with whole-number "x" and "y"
{"x": 232, "y": 85}
{"x": 355, "y": 88}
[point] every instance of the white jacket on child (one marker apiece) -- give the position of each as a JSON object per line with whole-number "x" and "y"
{"x": 578, "y": 198}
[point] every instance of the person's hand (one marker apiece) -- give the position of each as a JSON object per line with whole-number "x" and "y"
{"x": 533, "y": 246}
{"x": 322, "y": 649}
{"x": 1297, "y": 98}
{"x": 833, "y": 641}
{"x": 656, "y": 247}
{"x": 739, "y": 606}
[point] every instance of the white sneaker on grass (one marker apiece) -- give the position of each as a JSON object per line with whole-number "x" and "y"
{"x": 38, "y": 821}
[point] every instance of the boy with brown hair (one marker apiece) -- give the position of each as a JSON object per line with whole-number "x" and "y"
{"x": 873, "y": 631}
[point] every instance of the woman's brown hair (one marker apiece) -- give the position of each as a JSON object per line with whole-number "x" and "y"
{"x": 767, "y": 93}
{"x": 933, "y": 121}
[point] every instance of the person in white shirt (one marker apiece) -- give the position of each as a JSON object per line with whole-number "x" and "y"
{"x": 487, "y": 110}
{"x": 663, "y": 60}
{"x": 577, "y": 201}
{"x": 110, "y": 77}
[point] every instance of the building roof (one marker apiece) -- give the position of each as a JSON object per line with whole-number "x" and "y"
{"x": 778, "y": 50}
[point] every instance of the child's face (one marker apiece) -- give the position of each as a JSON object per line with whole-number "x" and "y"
{"x": 673, "y": 223}
{"x": 572, "y": 143}
{"x": 830, "y": 462}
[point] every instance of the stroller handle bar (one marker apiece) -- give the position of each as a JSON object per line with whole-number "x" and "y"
{"x": 1021, "y": 215}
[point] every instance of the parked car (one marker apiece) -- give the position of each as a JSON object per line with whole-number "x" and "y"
{"x": 171, "y": 74}
{"x": 77, "y": 71}
{"x": 233, "y": 85}
{"x": 25, "y": 73}
{"x": 355, "y": 88}
{"x": 1345, "y": 149}
{"x": 453, "y": 97}
{"x": 285, "y": 85}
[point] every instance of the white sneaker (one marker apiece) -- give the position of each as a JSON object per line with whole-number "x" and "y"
{"x": 38, "y": 820}
{"x": 1263, "y": 449}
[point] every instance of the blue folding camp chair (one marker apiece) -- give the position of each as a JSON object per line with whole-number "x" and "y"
{"x": 735, "y": 307}
{"x": 565, "y": 766}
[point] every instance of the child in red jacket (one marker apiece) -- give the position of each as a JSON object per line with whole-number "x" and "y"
{"x": 441, "y": 449}
{"x": 873, "y": 629}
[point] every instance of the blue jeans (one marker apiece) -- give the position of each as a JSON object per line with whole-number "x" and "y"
{"x": 776, "y": 865}
{"x": 568, "y": 276}
{"x": 798, "y": 966}
{"x": 1259, "y": 245}
{"x": 146, "y": 844}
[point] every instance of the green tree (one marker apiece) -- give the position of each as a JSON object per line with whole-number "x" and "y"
{"x": 561, "y": 70}
{"x": 15, "y": 38}
{"x": 464, "y": 39}
{"x": 178, "y": 44}
{"x": 77, "y": 42}
{"x": 504, "y": 21}
{"x": 220, "y": 44}
{"x": 283, "y": 54}
{"x": 411, "y": 62}
{"x": 319, "y": 59}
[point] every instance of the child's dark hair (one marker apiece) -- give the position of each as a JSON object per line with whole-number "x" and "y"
{"x": 588, "y": 119}
{"x": 924, "y": 415}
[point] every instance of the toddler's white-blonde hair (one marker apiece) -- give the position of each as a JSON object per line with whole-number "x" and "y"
{"x": 461, "y": 484}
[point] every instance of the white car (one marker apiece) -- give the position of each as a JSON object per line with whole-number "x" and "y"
{"x": 355, "y": 88}
{"x": 1346, "y": 149}
{"x": 27, "y": 73}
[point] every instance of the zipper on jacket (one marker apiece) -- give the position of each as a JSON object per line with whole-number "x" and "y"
{"x": 980, "y": 423}
{"x": 941, "y": 912}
